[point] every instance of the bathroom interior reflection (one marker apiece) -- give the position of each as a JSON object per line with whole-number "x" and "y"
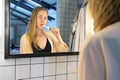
{"x": 20, "y": 11}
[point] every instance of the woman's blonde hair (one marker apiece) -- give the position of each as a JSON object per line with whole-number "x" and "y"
{"x": 32, "y": 25}
{"x": 104, "y": 12}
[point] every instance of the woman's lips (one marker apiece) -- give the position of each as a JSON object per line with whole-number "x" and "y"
{"x": 43, "y": 25}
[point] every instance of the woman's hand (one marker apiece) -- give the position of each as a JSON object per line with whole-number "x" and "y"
{"x": 56, "y": 32}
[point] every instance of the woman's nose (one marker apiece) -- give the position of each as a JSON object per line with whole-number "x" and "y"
{"x": 42, "y": 20}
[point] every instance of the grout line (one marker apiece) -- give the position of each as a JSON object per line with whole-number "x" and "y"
{"x": 56, "y": 68}
{"x": 41, "y": 63}
{"x": 43, "y": 67}
{"x": 67, "y": 69}
{"x": 22, "y": 64}
{"x": 6, "y": 65}
{"x": 30, "y": 69}
{"x": 77, "y": 69}
{"x": 47, "y": 76}
{"x": 15, "y": 69}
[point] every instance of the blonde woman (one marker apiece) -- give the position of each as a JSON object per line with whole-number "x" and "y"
{"x": 36, "y": 40}
{"x": 100, "y": 55}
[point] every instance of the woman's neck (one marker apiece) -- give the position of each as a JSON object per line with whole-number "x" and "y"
{"x": 40, "y": 32}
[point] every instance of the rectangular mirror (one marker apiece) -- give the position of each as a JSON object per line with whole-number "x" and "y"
{"x": 17, "y": 21}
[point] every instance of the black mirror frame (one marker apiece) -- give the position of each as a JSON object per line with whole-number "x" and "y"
{"x": 7, "y": 41}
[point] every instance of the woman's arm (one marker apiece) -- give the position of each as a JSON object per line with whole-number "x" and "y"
{"x": 25, "y": 47}
{"x": 56, "y": 32}
{"x": 60, "y": 45}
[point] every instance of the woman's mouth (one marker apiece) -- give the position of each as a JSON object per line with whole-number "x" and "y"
{"x": 42, "y": 25}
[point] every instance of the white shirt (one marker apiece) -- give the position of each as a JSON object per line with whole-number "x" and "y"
{"x": 100, "y": 55}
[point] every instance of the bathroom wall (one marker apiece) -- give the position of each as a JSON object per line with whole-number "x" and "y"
{"x": 66, "y": 10}
{"x": 36, "y": 68}
{"x": 40, "y": 68}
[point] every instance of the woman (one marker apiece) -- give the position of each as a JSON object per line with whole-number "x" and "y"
{"x": 100, "y": 55}
{"x": 37, "y": 40}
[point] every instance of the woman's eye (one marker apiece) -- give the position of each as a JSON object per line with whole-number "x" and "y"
{"x": 45, "y": 18}
{"x": 40, "y": 16}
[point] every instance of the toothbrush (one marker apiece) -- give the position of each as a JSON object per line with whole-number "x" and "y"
{"x": 47, "y": 28}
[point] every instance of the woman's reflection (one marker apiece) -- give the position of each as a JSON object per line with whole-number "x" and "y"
{"x": 36, "y": 39}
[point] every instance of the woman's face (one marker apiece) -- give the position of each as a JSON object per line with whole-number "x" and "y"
{"x": 42, "y": 19}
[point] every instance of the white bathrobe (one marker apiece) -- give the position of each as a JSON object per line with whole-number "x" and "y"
{"x": 100, "y": 55}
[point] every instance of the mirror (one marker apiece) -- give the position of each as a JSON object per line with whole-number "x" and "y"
{"x": 17, "y": 17}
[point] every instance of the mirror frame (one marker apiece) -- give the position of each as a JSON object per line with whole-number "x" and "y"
{"x": 7, "y": 40}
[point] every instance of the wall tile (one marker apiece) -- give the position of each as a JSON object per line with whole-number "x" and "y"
{"x": 35, "y": 60}
{"x": 50, "y": 59}
{"x": 62, "y": 1}
{"x": 73, "y": 58}
{"x": 7, "y": 73}
{"x": 72, "y": 77}
{"x": 2, "y": 26}
{"x": 36, "y": 70}
{"x": 6, "y": 61}
{"x": 36, "y": 79}
{"x": 72, "y": 67}
{"x": 61, "y": 58}
{"x": 50, "y": 78}
{"x": 21, "y": 61}
{"x": 61, "y": 77}
{"x": 49, "y": 69}
{"x": 61, "y": 68}
{"x": 22, "y": 71}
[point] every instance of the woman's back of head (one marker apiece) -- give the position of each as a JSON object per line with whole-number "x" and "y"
{"x": 104, "y": 12}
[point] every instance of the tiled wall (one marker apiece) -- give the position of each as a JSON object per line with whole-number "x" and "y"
{"x": 40, "y": 68}
{"x": 36, "y": 68}
{"x": 65, "y": 13}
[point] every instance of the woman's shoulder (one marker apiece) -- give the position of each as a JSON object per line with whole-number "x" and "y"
{"x": 110, "y": 31}
{"x": 24, "y": 36}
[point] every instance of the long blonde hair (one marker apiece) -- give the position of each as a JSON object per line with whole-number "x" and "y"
{"x": 32, "y": 25}
{"x": 104, "y": 12}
